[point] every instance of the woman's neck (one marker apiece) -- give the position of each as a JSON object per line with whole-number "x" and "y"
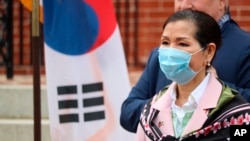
{"x": 184, "y": 91}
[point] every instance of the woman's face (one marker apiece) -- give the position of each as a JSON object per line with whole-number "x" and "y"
{"x": 214, "y": 8}
{"x": 180, "y": 35}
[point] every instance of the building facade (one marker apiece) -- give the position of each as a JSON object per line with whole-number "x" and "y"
{"x": 140, "y": 23}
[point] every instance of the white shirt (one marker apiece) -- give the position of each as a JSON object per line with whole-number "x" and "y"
{"x": 192, "y": 102}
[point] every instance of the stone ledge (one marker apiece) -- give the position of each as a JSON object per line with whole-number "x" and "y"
{"x": 22, "y": 130}
{"x": 16, "y": 102}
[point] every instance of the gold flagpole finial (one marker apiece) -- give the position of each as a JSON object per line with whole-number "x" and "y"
{"x": 35, "y": 17}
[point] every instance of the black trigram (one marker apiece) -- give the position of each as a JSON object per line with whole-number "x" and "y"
{"x": 87, "y": 102}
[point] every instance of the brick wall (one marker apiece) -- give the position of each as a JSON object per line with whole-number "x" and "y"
{"x": 152, "y": 14}
{"x": 21, "y": 39}
{"x": 140, "y": 28}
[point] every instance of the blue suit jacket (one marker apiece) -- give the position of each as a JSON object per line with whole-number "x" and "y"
{"x": 231, "y": 61}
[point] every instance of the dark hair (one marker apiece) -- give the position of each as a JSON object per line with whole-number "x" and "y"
{"x": 208, "y": 30}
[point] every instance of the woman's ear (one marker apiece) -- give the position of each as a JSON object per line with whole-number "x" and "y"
{"x": 211, "y": 49}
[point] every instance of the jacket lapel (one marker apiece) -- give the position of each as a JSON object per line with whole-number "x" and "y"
{"x": 164, "y": 118}
{"x": 208, "y": 100}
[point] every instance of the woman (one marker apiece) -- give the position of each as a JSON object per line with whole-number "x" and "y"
{"x": 196, "y": 105}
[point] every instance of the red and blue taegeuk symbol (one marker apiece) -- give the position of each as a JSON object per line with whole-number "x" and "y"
{"x": 76, "y": 27}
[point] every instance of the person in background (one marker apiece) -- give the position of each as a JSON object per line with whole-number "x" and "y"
{"x": 231, "y": 62}
{"x": 196, "y": 105}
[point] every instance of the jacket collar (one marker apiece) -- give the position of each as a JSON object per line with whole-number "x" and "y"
{"x": 208, "y": 100}
{"x": 223, "y": 20}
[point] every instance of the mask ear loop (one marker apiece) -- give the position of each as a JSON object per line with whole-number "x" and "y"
{"x": 197, "y": 51}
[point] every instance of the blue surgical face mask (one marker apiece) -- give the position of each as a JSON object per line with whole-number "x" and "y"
{"x": 175, "y": 64}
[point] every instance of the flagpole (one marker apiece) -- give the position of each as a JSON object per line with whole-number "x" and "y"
{"x": 36, "y": 70}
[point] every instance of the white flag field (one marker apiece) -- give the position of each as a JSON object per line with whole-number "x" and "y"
{"x": 86, "y": 72}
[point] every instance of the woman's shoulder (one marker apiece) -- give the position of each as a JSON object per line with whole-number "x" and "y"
{"x": 159, "y": 95}
{"x": 231, "y": 102}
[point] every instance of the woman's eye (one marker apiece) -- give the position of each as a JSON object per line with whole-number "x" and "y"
{"x": 164, "y": 43}
{"x": 183, "y": 44}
